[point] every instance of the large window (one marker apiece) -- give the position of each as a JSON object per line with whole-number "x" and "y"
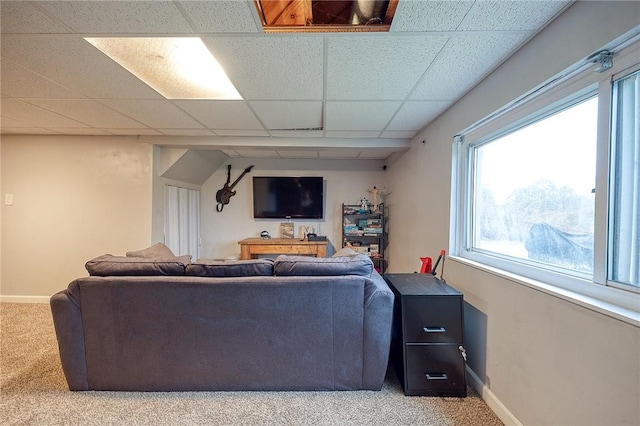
{"x": 548, "y": 188}
{"x": 534, "y": 191}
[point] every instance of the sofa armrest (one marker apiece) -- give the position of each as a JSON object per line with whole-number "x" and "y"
{"x": 378, "y": 318}
{"x": 67, "y": 320}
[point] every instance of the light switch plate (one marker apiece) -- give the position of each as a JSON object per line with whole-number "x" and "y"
{"x": 8, "y": 199}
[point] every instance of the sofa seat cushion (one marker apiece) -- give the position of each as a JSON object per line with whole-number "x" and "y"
{"x": 240, "y": 268}
{"x": 305, "y": 265}
{"x": 109, "y": 265}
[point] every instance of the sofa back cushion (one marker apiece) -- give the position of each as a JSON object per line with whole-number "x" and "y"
{"x": 345, "y": 251}
{"x": 240, "y": 268}
{"x": 201, "y": 333}
{"x": 158, "y": 250}
{"x": 305, "y": 265}
{"x": 109, "y": 265}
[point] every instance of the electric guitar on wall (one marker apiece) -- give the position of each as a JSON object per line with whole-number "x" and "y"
{"x": 226, "y": 192}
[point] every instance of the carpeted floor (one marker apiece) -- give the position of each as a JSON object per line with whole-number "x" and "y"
{"x": 33, "y": 392}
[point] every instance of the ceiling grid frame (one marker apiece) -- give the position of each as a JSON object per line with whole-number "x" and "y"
{"x": 76, "y": 70}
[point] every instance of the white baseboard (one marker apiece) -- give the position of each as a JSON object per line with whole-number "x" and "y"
{"x": 492, "y": 401}
{"x": 24, "y": 299}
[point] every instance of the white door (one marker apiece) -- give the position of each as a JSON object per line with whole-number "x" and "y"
{"x": 182, "y": 220}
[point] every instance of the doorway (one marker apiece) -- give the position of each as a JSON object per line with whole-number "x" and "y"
{"x": 182, "y": 220}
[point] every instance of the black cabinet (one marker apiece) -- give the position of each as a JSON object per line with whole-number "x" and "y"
{"x": 427, "y": 347}
{"x": 365, "y": 231}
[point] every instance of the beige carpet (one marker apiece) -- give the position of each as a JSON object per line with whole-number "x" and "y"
{"x": 33, "y": 392}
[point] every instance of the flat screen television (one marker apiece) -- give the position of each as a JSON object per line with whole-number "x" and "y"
{"x": 279, "y": 197}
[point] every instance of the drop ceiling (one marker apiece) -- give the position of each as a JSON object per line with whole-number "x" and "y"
{"x": 305, "y": 95}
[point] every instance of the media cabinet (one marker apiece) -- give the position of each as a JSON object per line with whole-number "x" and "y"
{"x": 427, "y": 344}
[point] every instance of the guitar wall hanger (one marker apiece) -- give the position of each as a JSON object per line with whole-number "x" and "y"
{"x": 226, "y": 192}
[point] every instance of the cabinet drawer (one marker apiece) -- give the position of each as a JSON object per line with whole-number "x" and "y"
{"x": 432, "y": 319}
{"x": 435, "y": 370}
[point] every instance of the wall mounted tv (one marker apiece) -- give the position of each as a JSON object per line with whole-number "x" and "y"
{"x": 279, "y": 197}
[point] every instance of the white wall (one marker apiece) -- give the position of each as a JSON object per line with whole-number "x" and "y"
{"x": 221, "y": 231}
{"x": 74, "y": 198}
{"x": 1, "y": 209}
{"x": 543, "y": 360}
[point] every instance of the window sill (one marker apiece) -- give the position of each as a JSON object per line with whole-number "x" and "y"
{"x": 591, "y": 302}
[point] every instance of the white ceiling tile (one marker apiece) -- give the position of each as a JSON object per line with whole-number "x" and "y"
{"x": 28, "y": 131}
{"x": 413, "y": 114}
{"x": 33, "y": 115}
{"x": 242, "y": 132}
{"x": 351, "y": 134}
{"x": 88, "y": 131}
{"x": 10, "y": 122}
{"x": 89, "y": 112}
{"x": 231, "y": 152}
{"x": 363, "y": 115}
{"x": 256, "y": 66}
{"x": 464, "y": 62}
{"x": 221, "y": 114}
{"x": 75, "y": 64}
{"x": 376, "y": 153}
{"x": 257, "y": 153}
{"x": 429, "y": 15}
{"x": 297, "y": 133}
{"x": 17, "y": 81}
{"x": 153, "y": 113}
{"x": 113, "y": 17}
{"x": 25, "y": 17}
{"x": 356, "y": 69}
{"x": 221, "y": 16}
{"x": 289, "y": 114}
{"x": 297, "y": 153}
{"x": 340, "y": 154}
{"x": 134, "y": 132}
{"x": 186, "y": 132}
{"x": 510, "y": 15}
{"x": 398, "y": 134}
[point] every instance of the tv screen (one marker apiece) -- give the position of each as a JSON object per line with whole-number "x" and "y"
{"x": 288, "y": 197}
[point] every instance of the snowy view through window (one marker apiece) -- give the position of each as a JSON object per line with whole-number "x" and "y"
{"x": 534, "y": 191}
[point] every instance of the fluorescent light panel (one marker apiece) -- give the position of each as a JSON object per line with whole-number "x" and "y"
{"x": 177, "y": 68}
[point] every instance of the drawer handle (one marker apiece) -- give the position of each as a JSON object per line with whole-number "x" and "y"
{"x": 433, "y": 329}
{"x": 436, "y": 376}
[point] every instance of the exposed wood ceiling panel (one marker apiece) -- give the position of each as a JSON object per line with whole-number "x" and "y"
{"x": 284, "y": 12}
{"x": 326, "y": 15}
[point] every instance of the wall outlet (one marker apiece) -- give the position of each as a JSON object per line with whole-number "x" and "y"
{"x": 8, "y": 199}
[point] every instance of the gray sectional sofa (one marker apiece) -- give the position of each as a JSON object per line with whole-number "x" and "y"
{"x": 167, "y": 324}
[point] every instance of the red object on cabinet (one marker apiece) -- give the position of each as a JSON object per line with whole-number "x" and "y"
{"x": 426, "y": 265}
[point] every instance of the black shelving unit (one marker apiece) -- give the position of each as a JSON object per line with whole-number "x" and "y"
{"x": 366, "y": 232}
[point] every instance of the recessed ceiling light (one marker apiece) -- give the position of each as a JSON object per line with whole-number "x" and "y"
{"x": 177, "y": 68}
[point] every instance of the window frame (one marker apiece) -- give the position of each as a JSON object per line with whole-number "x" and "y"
{"x": 611, "y": 158}
{"x": 565, "y": 89}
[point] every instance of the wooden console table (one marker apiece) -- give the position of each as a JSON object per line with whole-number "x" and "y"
{"x": 250, "y": 248}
